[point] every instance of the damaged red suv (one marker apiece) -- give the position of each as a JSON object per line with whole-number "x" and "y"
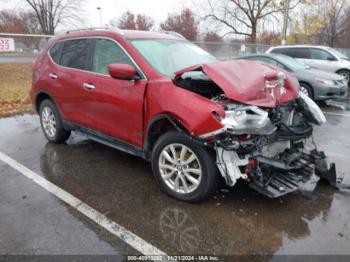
{"x": 196, "y": 119}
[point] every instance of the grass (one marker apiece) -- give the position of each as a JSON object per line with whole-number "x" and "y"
{"x": 15, "y": 83}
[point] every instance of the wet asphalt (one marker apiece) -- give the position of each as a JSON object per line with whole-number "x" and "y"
{"x": 235, "y": 221}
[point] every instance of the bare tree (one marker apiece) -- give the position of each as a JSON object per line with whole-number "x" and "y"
{"x": 212, "y": 36}
{"x": 144, "y": 22}
{"x": 242, "y": 17}
{"x": 333, "y": 12}
{"x": 129, "y": 20}
{"x": 184, "y": 23}
{"x": 51, "y": 13}
{"x": 343, "y": 40}
{"x": 12, "y": 21}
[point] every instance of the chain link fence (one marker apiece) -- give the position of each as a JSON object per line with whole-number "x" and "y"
{"x": 226, "y": 51}
{"x": 22, "y": 48}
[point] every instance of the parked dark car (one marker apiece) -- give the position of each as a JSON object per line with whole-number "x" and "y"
{"x": 317, "y": 84}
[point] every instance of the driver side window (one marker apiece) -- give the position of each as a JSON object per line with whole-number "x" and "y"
{"x": 108, "y": 52}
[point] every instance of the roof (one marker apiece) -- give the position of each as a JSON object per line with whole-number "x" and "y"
{"x": 139, "y": 34}
{"x": 262, "y": 54}
{"x": 128, "y": 34}
{"x": 298, "y": 46}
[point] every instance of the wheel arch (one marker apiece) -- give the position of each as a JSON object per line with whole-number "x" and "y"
{"x": 343, "y": 69}
{"x": 159, "y": 125}
{"x": 40, "y": 97}
{"x": 309, "y": 85}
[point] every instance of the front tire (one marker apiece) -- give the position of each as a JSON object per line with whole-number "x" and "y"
{"x": 51, "y": 123}
{"x": 184, "y": 169}
{"x": 307, "y": 90}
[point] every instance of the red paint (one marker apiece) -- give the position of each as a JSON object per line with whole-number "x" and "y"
{"x": 244, "y": 81}
{"x": 122, "y": 71}
{"x": 124, "y": 109}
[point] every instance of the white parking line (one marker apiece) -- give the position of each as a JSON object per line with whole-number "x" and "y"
{"x": 336, "y": 114}
{"x": 337, "y": 155}
{"x": 130, "y": 238}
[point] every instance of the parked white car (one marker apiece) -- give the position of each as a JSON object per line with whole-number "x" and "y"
{"x": 320, "y": 57}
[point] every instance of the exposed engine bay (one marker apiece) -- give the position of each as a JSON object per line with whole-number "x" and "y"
{"x": 198, "y": 82}
{"x": 272, "y": 148}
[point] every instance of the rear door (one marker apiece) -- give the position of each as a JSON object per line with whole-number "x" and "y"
{"x": 71, "y": 74}
{"x": 113, "y": 106}
{"x": 302, "y": 54}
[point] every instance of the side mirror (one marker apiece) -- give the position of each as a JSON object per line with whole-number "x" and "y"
{"x": 122, "y": 71}
{"x": 331, "y": 58}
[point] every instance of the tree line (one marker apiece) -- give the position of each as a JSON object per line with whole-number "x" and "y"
{"x": 254, "y": 21}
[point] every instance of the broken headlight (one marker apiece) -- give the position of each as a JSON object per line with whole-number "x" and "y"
{"x": 248, "y": 120}
{"x": 314, "y": 113}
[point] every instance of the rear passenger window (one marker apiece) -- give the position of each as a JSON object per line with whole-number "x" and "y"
{"x": 75, "y": 54}
{"x": 320, "y": 54}
{"x": 108, "y": 52}
{"x": 303, "y": 53}
{"x": 55, "y": 52}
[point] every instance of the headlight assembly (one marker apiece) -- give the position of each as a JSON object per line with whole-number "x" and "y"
{"x": 324, "y": 81}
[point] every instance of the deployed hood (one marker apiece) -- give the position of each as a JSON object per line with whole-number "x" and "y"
{"x": 249, "y": 82}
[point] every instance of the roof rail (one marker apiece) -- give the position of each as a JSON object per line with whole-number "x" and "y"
{"x": 115, "y": 29}
{"x": 173, "y": 33}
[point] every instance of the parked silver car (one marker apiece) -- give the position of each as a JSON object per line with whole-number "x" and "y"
{"x": 320, "y": 57}
{"x": 317, "y": 84}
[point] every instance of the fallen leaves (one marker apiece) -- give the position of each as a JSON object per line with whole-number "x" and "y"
{"x": 15, "y": 83}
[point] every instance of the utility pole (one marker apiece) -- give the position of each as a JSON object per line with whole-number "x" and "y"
{"x": 100, "y": 10}
{"x": 285, "y": 21}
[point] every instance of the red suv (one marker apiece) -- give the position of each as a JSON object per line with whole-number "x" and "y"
{"x": 164, "y": 99}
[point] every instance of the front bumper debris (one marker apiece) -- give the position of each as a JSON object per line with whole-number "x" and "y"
{"x": 328, "y": 173}
{"x": 275, "y": 178}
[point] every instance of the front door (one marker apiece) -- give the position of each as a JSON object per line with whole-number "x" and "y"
{"x": 323, "y": 60}
{"x": 114, "y": 106}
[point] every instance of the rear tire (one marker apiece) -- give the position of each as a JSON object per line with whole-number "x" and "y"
{"x": 190, "y": 173}
{"x": 51, "y": 123}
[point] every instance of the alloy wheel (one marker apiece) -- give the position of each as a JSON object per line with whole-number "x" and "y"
{"x": 180, "y": 168}
{"x": 48, "y": 121}
{"x": 346, "y": 76}
{"x": 304, "y": 90}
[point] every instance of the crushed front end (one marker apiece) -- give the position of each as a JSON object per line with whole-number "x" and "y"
{"x": 266, "y": 134}
{"x": 271, "y": 148}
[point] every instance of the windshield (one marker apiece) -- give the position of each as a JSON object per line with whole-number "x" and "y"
{"x": 291, "y": 62}
{"x": 337, "y": 53}
{"x": 169, "y": 56}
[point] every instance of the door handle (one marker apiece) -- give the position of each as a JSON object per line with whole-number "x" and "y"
{"x": 88, "y": 86}
{"x": 53, "y": 76}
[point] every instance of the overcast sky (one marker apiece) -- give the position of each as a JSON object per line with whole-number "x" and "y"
{"x": 111, "y": 9}
{"x": 157, "y": 9}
